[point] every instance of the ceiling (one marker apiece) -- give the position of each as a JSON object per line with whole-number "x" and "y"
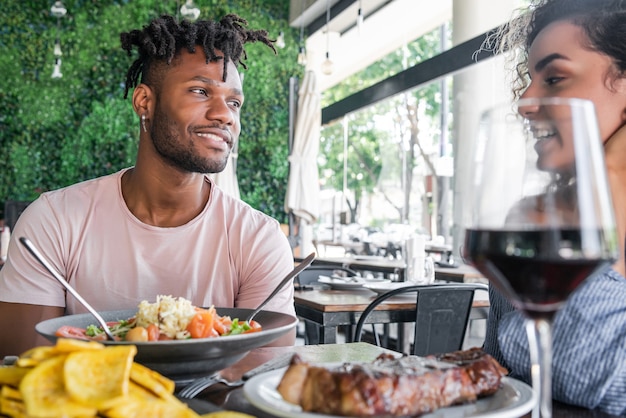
{"x": 387, "y": 26}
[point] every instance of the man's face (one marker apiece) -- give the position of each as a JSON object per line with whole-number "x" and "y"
{"x": 196, "y": 117}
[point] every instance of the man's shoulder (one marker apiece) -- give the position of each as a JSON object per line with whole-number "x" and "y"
{"x": 89, "y": 187}
{"x": 241, "y": 210}
{"x": 78, "y": 197}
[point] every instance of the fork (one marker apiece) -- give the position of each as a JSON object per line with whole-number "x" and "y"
{"x": 190, "y": 391}
{"x": 198, "y": 385}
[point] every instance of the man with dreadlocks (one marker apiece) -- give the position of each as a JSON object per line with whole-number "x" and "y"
{"x": 161, "y": 227}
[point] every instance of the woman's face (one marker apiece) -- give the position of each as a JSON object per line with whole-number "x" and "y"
{"x": 562, "y": 65}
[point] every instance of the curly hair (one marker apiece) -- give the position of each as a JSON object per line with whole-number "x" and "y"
{"x": 602, "y": 21}
{"x": 162, "y": 39}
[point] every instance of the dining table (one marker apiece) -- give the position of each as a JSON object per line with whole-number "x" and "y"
{"x": 221, "y": 397}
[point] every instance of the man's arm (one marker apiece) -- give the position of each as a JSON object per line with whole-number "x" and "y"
{"x": 17, "y": 326}
{"x": 284, "y": 341}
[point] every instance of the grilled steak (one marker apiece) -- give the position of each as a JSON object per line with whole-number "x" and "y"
{"x": 408, "y": 386}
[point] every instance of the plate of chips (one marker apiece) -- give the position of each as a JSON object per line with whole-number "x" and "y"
{"x": 185, "y": 360}
{"x": 89, "y": 379}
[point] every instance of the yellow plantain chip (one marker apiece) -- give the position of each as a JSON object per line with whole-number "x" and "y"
{"x": 10, "y": 393}
{"x": 135, "y": 392}
{"x": 12, "y": 407}
{"x": 34, "y": 356}
{"x": 12, "y": 375}
{"x": 151, "y": 380}
{"x": 95, "y": 376}
{"x": 68, "y": 345}
{"x": 39, "y": 353}
{"x": 27, "y": 362}
{"x": 226, "y": 414}
{"x": 44, "y": 393}
{"x": 135, "y": 407}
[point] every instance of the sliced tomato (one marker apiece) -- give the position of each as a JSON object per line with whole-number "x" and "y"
{"x": 67, "y": 331}
{"x": 201, "y": 325}
{"x": 154, "y": 334}
{"x": 221, "y": 324}
{"x": 254, "y": 327}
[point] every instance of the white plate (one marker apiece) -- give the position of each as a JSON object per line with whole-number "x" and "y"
{"x": 340, "y": 284}
{"x": 381, "y": 288}
{"x": 514, "y": 399}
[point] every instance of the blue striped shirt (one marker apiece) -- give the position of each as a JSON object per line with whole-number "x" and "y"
{"x": 589, "y": 343}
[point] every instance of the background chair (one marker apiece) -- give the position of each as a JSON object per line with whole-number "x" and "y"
{"x": 12, "y": 210}
{"x": 442, "y": 314}
{"x": 308, "y": 331}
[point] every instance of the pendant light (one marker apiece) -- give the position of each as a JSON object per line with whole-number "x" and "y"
{"x": 328, "y": 65}
{"x": 57, "y": 10}
{"x": 359, "y": 18}
{"x": 280, "y": 41}
{"x": 189, "y": 11}
{"x": 301, "y": 48}
{"x": 56, "y": 72}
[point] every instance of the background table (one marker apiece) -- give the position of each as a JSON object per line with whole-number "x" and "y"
{"x": 329, "y": 309}
{"x": 396, "y": 269}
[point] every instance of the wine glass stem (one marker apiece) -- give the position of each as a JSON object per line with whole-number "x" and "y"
{"x": 540, "y": 343}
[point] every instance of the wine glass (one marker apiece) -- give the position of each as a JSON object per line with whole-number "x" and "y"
{"x": 541, "y": 218}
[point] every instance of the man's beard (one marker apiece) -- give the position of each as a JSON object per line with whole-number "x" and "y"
{"x": 180, "y": 153}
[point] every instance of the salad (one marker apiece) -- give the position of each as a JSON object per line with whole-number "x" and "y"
{"x": 168, "y": 318}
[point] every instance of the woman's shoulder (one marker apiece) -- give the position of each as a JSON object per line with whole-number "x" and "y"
{"x": 600, "y": 295}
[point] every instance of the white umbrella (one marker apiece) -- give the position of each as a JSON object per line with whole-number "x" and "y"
{"x": 227, "y": 178}
{"x": 302, "y": 197}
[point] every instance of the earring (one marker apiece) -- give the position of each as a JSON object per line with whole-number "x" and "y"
{"x": 143, "y": 123}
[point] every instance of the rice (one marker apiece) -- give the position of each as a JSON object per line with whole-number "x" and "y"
{"x": 172, "y": 315}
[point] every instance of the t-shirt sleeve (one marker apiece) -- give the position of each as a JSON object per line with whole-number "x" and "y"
{"x": 22, "y": 278}
{"x": 268, "y": 260}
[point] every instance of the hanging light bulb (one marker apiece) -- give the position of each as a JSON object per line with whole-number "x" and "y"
{"x": 189, "y": 11}
{"x": 58, "y": 9}
{"x": 56, "y": 72}
{"x": 280, "y": 41}
{"x": 57, "y": 48}
{"x": 359, "y": 18}
{"x": 328, "y": 66}
{"x": 302, "y": 56}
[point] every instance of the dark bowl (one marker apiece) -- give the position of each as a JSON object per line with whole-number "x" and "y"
{"x": 184, "y": 360}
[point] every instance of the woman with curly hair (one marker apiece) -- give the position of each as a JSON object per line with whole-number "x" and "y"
{"x": 575, "y": 48}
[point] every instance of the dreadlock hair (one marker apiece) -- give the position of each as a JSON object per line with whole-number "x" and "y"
{"x": 602, "y": 21}
{"x": 162, "y": 39}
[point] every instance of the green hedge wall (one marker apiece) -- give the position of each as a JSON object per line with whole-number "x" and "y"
{"x": 55, "y": 132}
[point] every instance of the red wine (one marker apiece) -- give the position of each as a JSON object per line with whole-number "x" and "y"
{"x": 535, "y": 269}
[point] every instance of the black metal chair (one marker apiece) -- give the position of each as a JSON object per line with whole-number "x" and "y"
{"x": 12, "y": 210}
{"x": 303, "y": 281}
{"x": 442, "y": 313}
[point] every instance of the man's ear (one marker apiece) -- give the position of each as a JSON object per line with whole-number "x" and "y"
{"x": 143, "y": 101}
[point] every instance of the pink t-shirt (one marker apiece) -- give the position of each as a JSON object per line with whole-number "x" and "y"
{"x": 230, "y": 255}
